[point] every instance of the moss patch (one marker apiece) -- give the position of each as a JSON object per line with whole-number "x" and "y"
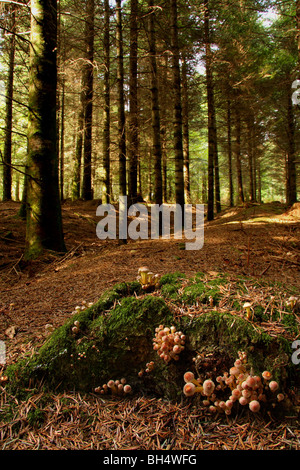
{"x": 115, "y": 338}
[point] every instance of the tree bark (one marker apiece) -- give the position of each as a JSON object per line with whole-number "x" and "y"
{"x": 238, "y": 155}
{"x": 155, "y": 111}
{"x": 178, "y": 139}
{"x": 133, "y": 147}
{"x": 298, "y": 31}
{"x": 210, "y": 105}
{"x": 163, "y": 130}
{"x": 106, "y": 113}
{"x": 44, "y": 221}
{"x": 185, "y": 117}
{"x": 250, "y": 124}
{"x": 87, "y": 192}
{"x": 62, "y": 141}
{"x": 291, "y": 180}
{"x": 7, "y": 151}
{"x": 76, "y": 184}
{"x": 229, "y": 132}
{"x": 121, "y": 108}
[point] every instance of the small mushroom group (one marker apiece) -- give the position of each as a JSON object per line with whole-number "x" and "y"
{"x": 149, "y": 368}
{"x": 168, "y": 343}
{"x": 84, "y": 305}
{"x": 75, "y": 327}
{"x": 147, "y": 278}
{"x": 244, "y": 388}
{"x": 115, "y": 387}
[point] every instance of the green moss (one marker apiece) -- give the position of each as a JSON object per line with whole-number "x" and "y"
{"x": 173, "y": 278}
{"x": 200, "y": 293}
{"x": 116, "y": 339}
{"x": 170, "y": 285}
{"x": 113, "y": 342}
{"x": 230, "y": 334}
{"x": 36, "y": 417}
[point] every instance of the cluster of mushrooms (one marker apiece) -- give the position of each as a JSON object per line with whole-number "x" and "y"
{"x": 81, "y": 307}
{"x": 149, "y": 368}
{"x": 168, "y": 343}
{"x": 245, "y": 388}
{"x": 147, "y": 278}
{"x": 115, "y": 387}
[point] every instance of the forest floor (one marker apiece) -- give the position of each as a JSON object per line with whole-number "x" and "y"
{"x": 259, "y": 241}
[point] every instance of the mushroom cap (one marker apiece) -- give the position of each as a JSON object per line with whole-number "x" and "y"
{"x": 280, "y": 397}
{"x": 273, "y": 386}
{"x": 208, "y": 387}
{"x": 251, "y": 381}
{"x": 143, "y": 269}
{"x": 254, "y": 406}
{"x": 189, "y": 389}
{"x": 234, "y": 371}
{"x": 266, "y": 375}
{"x": 188, "y": 377}
{"x": 246, "y": 305}
{"x": 243, "y": 401}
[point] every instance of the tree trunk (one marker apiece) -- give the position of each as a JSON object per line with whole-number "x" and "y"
{"x": 185, "y": 117}
{"x": 62, "y": 139}
{"x": 23, "y": 207}
{"x": 87, "y": 192}
{"x": 211, "y": 121}
{"x": 258, "y": 165}
{"x": 7, "y": 151}
{"x": 133, "y": 147}
{"x": 44, "y": 222}
{"x": 254, "y": 166}
{"x": 231, "y": 202}
{"x": 178, "y": 139}
{"x": 250, "y": 124}
{"x": 238, "y": 155}
{"x": 291, "y": 184}
{"x": 155, "y": 112}
{"x": 298, "y": 30}
{"x": 106, "y": 116}
{"x": 216, "y": 169}
{"x": 76, "y": 184}
{"x": 163, "y": 131}
{"x": 121, "y": 109}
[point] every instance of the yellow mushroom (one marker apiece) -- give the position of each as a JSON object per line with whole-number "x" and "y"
{"x": 247, "y": 307}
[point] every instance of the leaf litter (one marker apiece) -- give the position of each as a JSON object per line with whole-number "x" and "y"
{"x": 32, "y": 296}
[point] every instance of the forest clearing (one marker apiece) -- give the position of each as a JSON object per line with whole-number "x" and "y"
{"x": 259, "y": 242}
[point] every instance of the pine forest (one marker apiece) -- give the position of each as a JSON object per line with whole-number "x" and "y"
{"x": 150, "y": 227}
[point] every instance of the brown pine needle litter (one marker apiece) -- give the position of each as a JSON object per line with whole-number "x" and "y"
{"x": 264, "y": 251}
{"x": 71, "y": 421}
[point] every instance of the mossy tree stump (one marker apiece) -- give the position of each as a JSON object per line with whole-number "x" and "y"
{"x": 115, "y": 340}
